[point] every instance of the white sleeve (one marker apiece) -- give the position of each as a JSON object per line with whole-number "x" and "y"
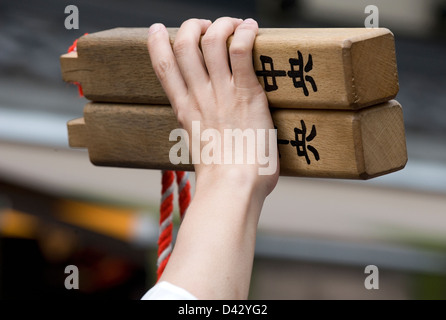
{"x": 167, "y": 291}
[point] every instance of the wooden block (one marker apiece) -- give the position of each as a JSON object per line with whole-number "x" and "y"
{"x": 340, "y": 68}
{"x": 332, "y": 144}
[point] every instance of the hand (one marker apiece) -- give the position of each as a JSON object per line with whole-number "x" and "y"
{"x": 201, "y": 87}
{"x": 214, "y": 249}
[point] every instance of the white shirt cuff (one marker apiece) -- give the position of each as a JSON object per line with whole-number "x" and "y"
{"x": 167, "y": 291}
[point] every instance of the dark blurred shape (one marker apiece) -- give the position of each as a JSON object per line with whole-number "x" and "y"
{"x": 35, "y": 248}
{"x": 287, "y": 4}
{"x": 441, "y": 20}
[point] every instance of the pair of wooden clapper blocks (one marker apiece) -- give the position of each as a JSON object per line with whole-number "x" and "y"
{"x": 329, "y": 92}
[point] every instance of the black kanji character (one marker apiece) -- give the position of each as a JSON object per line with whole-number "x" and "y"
{"x": 298, "y": 75}
{"x": 281, "y": 141}
{"x": 271, "y": 73}
{"x": 301, "y": 142}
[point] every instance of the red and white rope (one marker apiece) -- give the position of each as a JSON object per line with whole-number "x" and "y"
{"x": 166, "y": 212}
{"x": 166, "y": 216}
{"x": 183, "y": 191}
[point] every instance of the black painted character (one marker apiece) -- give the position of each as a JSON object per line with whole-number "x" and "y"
{"x": 301, "y": 142}
{"x": 281, "y": 141}
{"x": 298, "y": 75}
{"x": 270, "y": 73}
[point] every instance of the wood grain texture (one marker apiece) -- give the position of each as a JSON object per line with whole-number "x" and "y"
{"x": 352, "y": 68}
{"x": 350, "y": 144}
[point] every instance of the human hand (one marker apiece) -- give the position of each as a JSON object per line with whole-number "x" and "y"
{"x": 222, "y": 92}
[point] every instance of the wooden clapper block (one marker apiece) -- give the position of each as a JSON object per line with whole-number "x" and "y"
{"x": 329, "y": 92}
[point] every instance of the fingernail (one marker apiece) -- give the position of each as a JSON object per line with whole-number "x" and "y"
{"x": 249, "y": 20}
{"x": 155, "y": 28}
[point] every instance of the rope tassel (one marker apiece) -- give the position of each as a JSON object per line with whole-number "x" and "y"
{"x": 166, "y": 212}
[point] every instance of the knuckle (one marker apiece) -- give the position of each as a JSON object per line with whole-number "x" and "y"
{"x": 163, "y": 68}
{"x": 181, "y": 116}
{"x": 239, "y": 49}
{"x": 181, "y": 46}
{"x": 209, "y": 39}
{"x": 242, "y": 97}
{"x": 185, "y": 39}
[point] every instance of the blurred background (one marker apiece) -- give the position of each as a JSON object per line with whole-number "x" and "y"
{"x": 315, "y": 236}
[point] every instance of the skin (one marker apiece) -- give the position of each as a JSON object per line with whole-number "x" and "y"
{"x": 214, "y": 249}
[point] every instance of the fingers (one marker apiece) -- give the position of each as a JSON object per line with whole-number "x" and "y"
{"x": 164, "y": 64}
{"x": 215, "y": 50}
{"x": 240, "y": 53}
{"x": 188, "y": 54}
{"x": 186, "y": 67}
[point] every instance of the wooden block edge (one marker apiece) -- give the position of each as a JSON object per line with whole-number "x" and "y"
{"x": 393, "y": 126}
{"x": 77, "y": 133}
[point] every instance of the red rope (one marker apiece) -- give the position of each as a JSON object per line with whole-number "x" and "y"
{"x": 166, "y": 213}
{"x": 184, "y": 191}
{"x": 166, "y": 226}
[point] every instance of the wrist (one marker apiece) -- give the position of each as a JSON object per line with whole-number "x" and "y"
{"x": 238, "y": 178}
